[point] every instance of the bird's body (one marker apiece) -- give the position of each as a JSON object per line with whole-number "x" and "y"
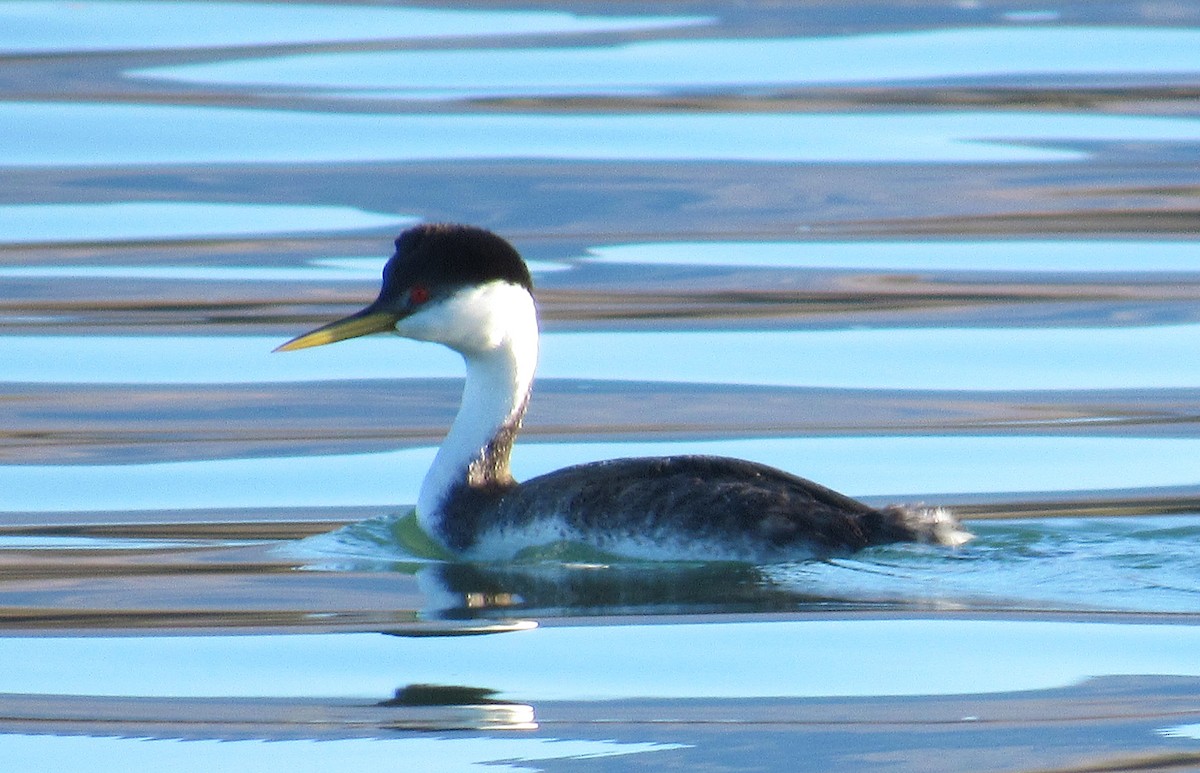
{"x": 469, "y": 289}
{"x": 673, "y": 508}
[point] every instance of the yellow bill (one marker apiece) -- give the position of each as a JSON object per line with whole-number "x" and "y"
{"x": 360, "y": 324}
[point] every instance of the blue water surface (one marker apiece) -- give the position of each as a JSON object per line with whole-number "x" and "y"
{"x": 939, "y": 254}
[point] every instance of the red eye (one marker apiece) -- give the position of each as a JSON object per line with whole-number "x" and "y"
{"x": 418, "y": 294}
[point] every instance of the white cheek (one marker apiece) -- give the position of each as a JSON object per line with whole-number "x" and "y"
{"x": 473, "y": 320}
{"x": 455, "y": 322}
{"x": 427, "y": 325}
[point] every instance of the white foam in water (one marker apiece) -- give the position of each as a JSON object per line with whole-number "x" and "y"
{"x": 1181, "y": 731}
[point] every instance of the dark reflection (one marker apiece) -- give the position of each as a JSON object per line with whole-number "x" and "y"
{"x": 455, "y": 707}
{"x": 443, "y": 695}
{"x": 462, "y": 708}
{"x": 1083, "y": 564}
{"x": 1074, "y": 552}
{"x": 134, "y": 423}
{"x": 1108, "y": 723}
{"x": 413, "y": 708}
{"x": 592, "y": 296}
{"x": 465, "y": 591}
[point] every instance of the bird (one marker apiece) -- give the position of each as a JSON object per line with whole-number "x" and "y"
{"x": 469, "y": 289}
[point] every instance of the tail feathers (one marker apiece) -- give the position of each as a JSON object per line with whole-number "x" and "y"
{"x": 932, "y": 525}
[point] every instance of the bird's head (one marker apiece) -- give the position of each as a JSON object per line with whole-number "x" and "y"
{"x": 456, "y": 285}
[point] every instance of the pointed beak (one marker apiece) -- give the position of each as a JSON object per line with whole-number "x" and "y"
{"x": 361, "y": 323}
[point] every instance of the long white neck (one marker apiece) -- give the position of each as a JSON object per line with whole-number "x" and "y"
{"x": 495, "y": 329}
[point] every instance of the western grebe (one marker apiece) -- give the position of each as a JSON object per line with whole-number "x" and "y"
{"x": 470, "y": 290}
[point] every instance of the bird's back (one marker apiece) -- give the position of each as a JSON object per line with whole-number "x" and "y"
{"x": 678, "y": 507}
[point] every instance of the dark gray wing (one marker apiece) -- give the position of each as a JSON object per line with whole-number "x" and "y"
{"x": 706, "y": 497}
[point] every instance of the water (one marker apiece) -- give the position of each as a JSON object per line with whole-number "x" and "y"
{"x": 916, "y": 252}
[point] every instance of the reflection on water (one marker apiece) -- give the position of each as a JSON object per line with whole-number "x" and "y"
{"x": 1117, "y": 564}
{"x": 895, "y": 468}
{"x": 130, "y": 221}
{"x": 362, "y": 270}
{"x": 1182, "y": 731}
{"x": 1115, "y": 717}
{"x": 431, "y": 754}
{"x": 840, "y": 658}
{"x": 103, "y": 134}
{"x": 940, "y": 253}
{"x": 664, "y": 66}
{"x": 37, "y": 26}
{"x": 1125, "y": 357}
{"x": 1093, "y": 256}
